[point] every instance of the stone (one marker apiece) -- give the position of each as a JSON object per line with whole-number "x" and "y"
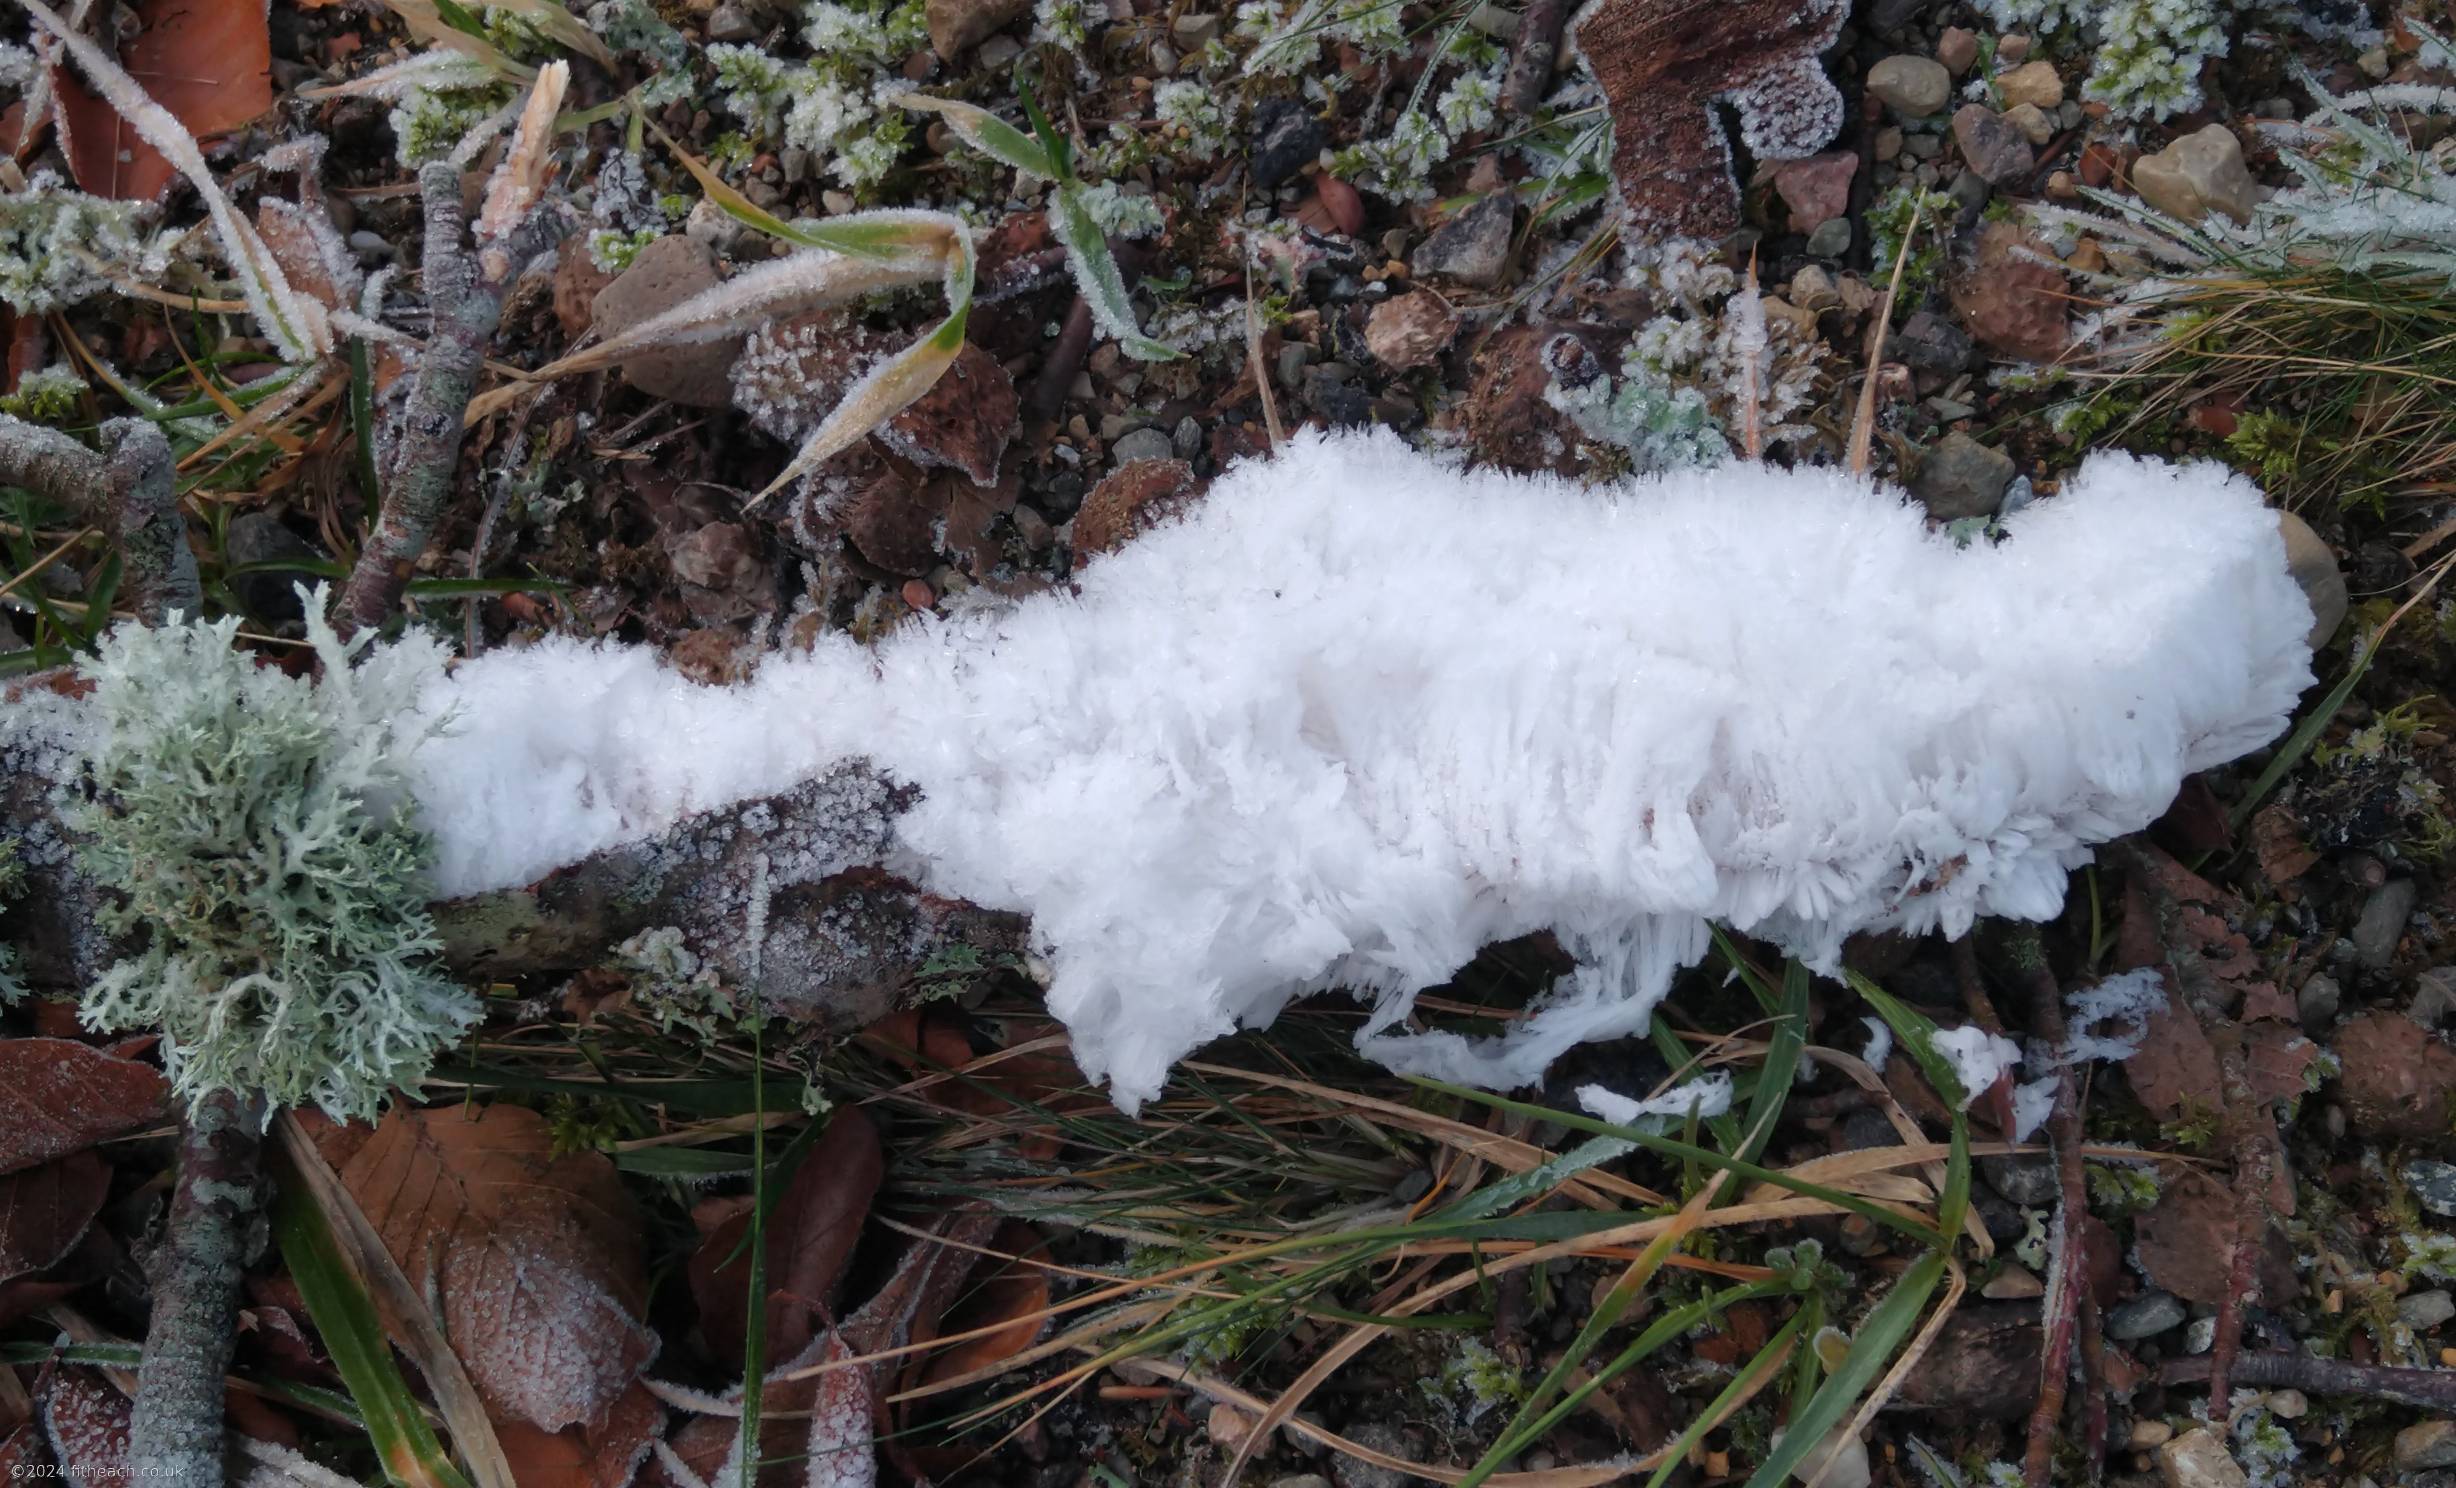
{"x": 2034, "y": 83}
{"x": 1142, "y": 444}
{"x": 2200, "y": 1335}
{"x": 1831, "y": 239}
{"x": 2197, "y": 1459}
{"x": 2145, "y": 1316}
{"x": 1992, "y": 144}
{"x": 664, "y": 274}
{"x": 2423, "y": 1311}
{"x": 2027, "y": 1179}
{"x": 2425, "y": 1446}
{"x": 2012, "y": 1284}
{"x": 1812, "y": 290}
{"x": 2314, "y": 566}
{"x": 1929, "y": 342}
{"x": 2374, "y": 64}
{"x": 1192, "y": 33}
{"x": 1227, "y": 1426}
{"x": 1957, "y": 49}
{"x": 1913, "y": 87}
{"x": 2011, "y": 295}
{"x": 1963, "y": 478}
{"x": 1186, "y": 438}
{"x": 731, "y": 22}
{"x": 2011, "y": 49}
{"x": 260, "y": 537}
{"x": 1287, "y": 137}
{"x": 2433, "y": 1184}
{"x": 1888, "y": 143}
{"x": 2382, "y": 923}
{"x": 2316, "y": 1003}
{"x": 2032, "y": 121}
{"x": 1817, "y": 189}
{"x": 1355, "y": 1472}
{"x": 2202, "y": 172}
{"x": 2434, "y": 997}
{"x": 1410, "y": 330}
{"x": 1839, "y": 1461}
{"x": 2149, "y": 1435}
{"x": 1472, "y": 247}
{"x": 1969, "y": 191}
{"x": 2288, "y": 1405}
{"x": 957, "y": 26}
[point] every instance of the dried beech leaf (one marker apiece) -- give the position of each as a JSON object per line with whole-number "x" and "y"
{"x": 535, "y": 1257}
{"x": 1008, "y": 1296}
{"x": 579, "y": 1457}
{"x": 2175, "y": 1072}
{"x": 210, "y": 62}
{"x": 58, "y": 1096}
{"x": 85, "y": 1422}
{"x": 811, "y": 1230}
{"x": 1668, "y": 66}
{"x": 44, "y": 1211}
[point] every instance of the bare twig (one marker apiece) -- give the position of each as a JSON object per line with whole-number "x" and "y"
{"x": 2068, "y": 1278}
{"x": 127, "y": 491}
{"x": 175, "y": 1435}
{"x": 2424, "y": 1389}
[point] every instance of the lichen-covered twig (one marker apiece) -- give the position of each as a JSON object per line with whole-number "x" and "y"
{"x": 175, "y": 1435}
{"x": 127, "y": 490}
{"x": 465, "y": 286}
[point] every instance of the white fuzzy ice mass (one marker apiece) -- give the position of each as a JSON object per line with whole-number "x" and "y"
{"x": 1362, "y": 713}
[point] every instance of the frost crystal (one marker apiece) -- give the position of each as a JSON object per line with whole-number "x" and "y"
{"x": 1361, "y": 713}
{"x": 252, "y": 823}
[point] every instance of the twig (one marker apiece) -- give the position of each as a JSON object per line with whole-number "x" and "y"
{"x": 1863, "y": 422}
{"x": 1537, "y": 54}
{"x": 127, "y": 490}
{"x": 2068, "y": 1277}
{"x": 465, "y": 286}
{"x": 2255, "y": 1146}
{"x": 175, "y": 1435}
{"x": 2424, "y": 1389}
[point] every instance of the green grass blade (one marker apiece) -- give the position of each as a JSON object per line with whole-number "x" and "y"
{"x": 345, "y": 1318}
{"x": 1741, "y": 1387}
{"x": 1887, "y": 1328}
{"x": 1096, "y": 272}
{"x": 987, "y": 133}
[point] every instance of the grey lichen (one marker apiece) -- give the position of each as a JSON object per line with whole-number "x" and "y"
{"x": 254, "y": 826}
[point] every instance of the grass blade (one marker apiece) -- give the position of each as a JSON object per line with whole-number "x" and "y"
{"x": 1887, "y": 1328}
{"x": 345, "y": 1318}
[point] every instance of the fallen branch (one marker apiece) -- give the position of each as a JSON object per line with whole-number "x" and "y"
{"x": 465, "y": 286}
{"x": 127, "y": 490}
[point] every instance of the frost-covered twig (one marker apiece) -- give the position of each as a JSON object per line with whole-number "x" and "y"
{"x": 128, "y": 492}
{"x": 465, "y": 285}
{"x": 2286, "y": 1369}
{"x": 175, "y": 1435}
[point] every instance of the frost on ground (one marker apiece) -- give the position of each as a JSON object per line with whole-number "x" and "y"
{"x": 1362, "y": 713}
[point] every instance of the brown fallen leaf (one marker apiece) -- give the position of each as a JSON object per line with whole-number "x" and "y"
{"x": 2175, "y": 1071}
{"x": 580, "y": 1457}
{"x": 2398, "y": 1078}
{"x": 58, "y": 1096}
{"x": 2277, "y": 841}
{"x": 1669, "y": 67}
{"x": 209, "y": 62}
{"x": 85, "y": 1424}
{"x": 535, "y": 1257}
{"x": 810, "y": 1235}
{"x": 1008, "y": 1297}
{"x": 44, "y": 1211}
{"x": 2185, "y": 1243}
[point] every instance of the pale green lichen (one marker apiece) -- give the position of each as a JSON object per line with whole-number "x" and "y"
{"x": 1473, "y": 1380}
{"x": 2145, "y": 55}
{"x": 255, "y": 827}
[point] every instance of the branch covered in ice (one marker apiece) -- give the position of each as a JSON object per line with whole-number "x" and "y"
{"x": 1361, "y": 713}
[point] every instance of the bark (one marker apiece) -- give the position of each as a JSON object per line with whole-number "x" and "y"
{"x": 128, "y": 491}
{"x": 175, "y": 1435}
{"x": 785, "y": 896}
{"x": 465, "y": 289}
{"x": 2423, "y": 1389}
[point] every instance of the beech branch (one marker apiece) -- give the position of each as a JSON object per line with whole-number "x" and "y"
{"x": 127, "y": 490}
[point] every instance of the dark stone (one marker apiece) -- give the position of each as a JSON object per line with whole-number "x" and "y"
{"x": 1887, "y": 17}
{"x": 2145, "y": 1316}
{"x": 1962, "y": 478}
{"x": 2027, "y": 1179}
{"x": 1984, "y": 1364}
{"x": 1993, "y": 145}
{"x": 2383, "y": 923}
{"x": 1929, "y": 342}
{"x": 1337, "y": 399}
{"x": 1059, "y": 498}
{"x": 1472, "y": 247}
{"x": 1287, "y": 138}
{"x": 2433, "y": 1184}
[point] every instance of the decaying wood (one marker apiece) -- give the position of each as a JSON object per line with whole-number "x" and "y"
{"x": 786, "y": 897}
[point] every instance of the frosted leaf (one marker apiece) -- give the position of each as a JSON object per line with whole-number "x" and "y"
{"x": 1701, "y": 1098}
{"x": 1359, "y": 713}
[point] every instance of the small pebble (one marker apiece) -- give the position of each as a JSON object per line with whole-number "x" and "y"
{"x": 2145, "y": 1316}
{"x": 2149, "y": 1435}
{"x": 2201, "y": 1336}
{"x": 2316, "y": 1004}
{"x": 1143, "y": 444}
{"x": 1913, "y": 87}
{"x": 2383, "y": 923}
{"x": 2291, "y": 1405}
{"x": 1831, "y": 239}
{"x": 2423, "y": 1311}
{"x": 2433, "y": 1184}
